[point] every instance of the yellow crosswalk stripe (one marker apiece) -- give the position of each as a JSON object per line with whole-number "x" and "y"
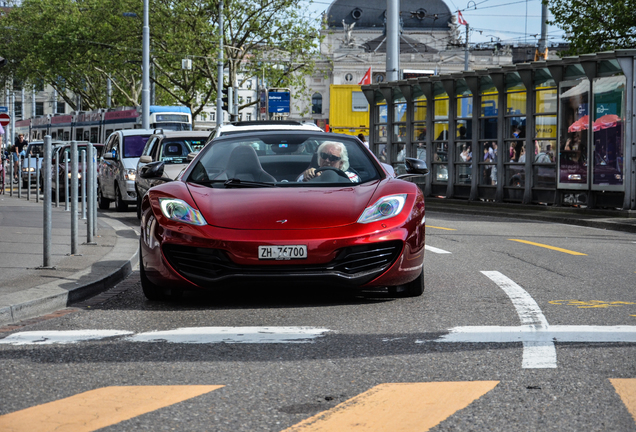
{"x": 626, "y": 389}
{"x": 397, "y": 407}
{"x": 98, "y": 408}
{"x": 548, "y": 247}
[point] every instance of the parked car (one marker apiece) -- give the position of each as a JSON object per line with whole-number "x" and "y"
{"x": 32, "y": 162}
{"x": 242, "y": 212}
{"x": 172, "y": 148}
{"x": 60, "y": 157}
{"x": 118, "y": 168}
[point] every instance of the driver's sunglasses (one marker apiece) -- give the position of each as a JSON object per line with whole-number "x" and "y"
{"x": 329, "y": 157}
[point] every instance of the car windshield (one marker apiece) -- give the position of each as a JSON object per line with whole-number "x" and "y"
{"x": 36, "y": 149}
{"x": 175, "y": 151}
{"x": 284, "y": 159}
{"x": 134, "y": 145}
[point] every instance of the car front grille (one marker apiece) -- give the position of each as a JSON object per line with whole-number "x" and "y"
{"x": 353, "y": 265}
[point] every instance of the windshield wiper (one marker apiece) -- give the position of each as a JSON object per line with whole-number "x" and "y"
{"x": 234, "y": 182}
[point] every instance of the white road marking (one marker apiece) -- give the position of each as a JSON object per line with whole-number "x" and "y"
{"x": 535, "y": 356}
{"x": 193, "y": 335}
{"x": 60, "y": 336}
{"x": 435, "y": 250}
{"x": 204, "y": 335}
{"x": 537, "y": 336}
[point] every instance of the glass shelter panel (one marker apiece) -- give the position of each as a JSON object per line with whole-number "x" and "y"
{"x": 608, "y": 145}
{"x": 573, "y": 134}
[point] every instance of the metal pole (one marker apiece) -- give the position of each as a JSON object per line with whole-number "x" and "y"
{"x": 392, "y": 40}
{"x": 66, "y": 185}
{"x": 90, "y": 199}
{"x": 38, "y": 169}
{"x": 74, "y": 184}
{"x": 84, "y": 171}
{"x": 466, "y": 49}
{"x": 28, "y": 177}
{"x": 57, "y": 177}
{"x": 11, "y": 174}
{"x": 145, "y": 90}
{"x": 46, "y": 238}
{"x": 219, "y": 79}
{"x": 94, "y": 191}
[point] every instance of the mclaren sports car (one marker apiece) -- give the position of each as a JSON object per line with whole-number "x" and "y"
{"x": 301, "y": 208}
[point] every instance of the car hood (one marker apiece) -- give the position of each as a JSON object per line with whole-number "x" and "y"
{"x": 282, "y": 208}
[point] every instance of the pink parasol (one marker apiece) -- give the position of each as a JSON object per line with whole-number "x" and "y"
{"x": 580, "y": 124}
{"x": 605, "y": 122}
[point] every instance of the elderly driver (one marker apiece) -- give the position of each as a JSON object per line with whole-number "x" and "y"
{"x": 331, "y": 154}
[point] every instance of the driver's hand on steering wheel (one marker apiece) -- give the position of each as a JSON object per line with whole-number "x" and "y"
{"x": 310, "y": 173}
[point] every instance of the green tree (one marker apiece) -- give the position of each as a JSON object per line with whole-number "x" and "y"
{"x": 77, "y": 45}
{"x": 595, "y": 26}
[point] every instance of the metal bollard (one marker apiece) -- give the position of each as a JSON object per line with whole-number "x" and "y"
{"x": 74, "y": 189}
{"x": 84, "y": 184}
{"x": 28, "y": 178}
{"x": 57, "y": 178}
{"x": 38, "y": 169}
{"x": 19, "y": 177}
{"x": 11, "y": 174}
{"x": 66, "y": 194}
{"x": 94, "y": 176}
{"x": 90, "y": 198}
{"x": 46, "y": 238}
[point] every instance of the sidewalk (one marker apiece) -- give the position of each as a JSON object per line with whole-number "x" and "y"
{"x": 27, "y": 290}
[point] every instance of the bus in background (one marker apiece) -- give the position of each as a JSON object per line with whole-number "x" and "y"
{"x": 175, "y": 118}
{"x": 40, "y": 127}
{"x": 61, "y": 127}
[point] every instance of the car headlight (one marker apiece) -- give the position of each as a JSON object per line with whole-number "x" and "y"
{"x": 79, "y": 176}
{"x": 180, "y": 211}
{"x": 131, "y": 174}
{"x": 384, "y": 208}
{"x": 32, "y": 169}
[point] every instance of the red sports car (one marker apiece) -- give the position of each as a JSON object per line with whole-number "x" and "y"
{"x": 294, "y": 207}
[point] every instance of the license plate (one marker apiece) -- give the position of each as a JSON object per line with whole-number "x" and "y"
{"x": 282, "y": 252}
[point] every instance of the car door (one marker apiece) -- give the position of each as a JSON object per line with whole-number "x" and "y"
{"x": 107, "y": 169}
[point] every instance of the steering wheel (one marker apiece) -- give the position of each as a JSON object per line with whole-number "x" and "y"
{"x": 338, "y": 171}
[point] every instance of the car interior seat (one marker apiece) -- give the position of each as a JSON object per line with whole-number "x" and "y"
{"x": 243, "y": 164}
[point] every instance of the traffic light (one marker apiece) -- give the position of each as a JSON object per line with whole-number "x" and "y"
{"x": 225, "y": 98}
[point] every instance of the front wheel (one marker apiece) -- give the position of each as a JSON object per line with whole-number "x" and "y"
{"x": 120, "y": 205}
{"x": 102, "y": 202}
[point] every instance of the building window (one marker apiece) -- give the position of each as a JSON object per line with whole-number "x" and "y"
{"x": 248, "y": 116}
{"x": 213, "y": 116}
{"x": 61, "y": 107}
{"x": 316, "y": 103}
{"x": 348, "y": 77}
{"x": 18, "y": 110}
{"x": 248, "y": 99}
{"x": 39, "y": 108}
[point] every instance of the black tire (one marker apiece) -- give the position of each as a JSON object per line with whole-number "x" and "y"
{"x": 151, "y": 291}
{"x": 102, "y": 202}
{"x": 138, "y": 205}
{"x": 120, "y": 205}
{"x": 411, "y": 289}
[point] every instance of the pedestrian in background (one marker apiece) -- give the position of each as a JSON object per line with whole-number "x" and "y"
{"x": 364, "y": 141}
{"x": 18, "y": 148}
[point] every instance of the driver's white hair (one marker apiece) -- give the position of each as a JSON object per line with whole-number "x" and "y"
{"x": 344, "y": 156}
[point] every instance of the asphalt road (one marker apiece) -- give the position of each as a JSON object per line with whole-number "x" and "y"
{"x": 524, "y": 326}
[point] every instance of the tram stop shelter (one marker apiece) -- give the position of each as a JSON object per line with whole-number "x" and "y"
{"x": 557, "y": 132}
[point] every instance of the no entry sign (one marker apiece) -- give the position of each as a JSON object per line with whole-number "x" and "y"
{"x": 4, "y": 119}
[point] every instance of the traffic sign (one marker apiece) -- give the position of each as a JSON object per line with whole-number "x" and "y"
{"x": 4, "y": 119}
{"x": 4, "y": 109}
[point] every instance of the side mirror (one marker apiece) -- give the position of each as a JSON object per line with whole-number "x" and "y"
{"x": 414, "y": 168}
{"x": 108, "y": 156}
{"x": 153, "y": 171}
{"x": 145, "y": 159}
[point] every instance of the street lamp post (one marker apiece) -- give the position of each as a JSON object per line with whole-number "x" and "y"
{"x": 145, "y": 88}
